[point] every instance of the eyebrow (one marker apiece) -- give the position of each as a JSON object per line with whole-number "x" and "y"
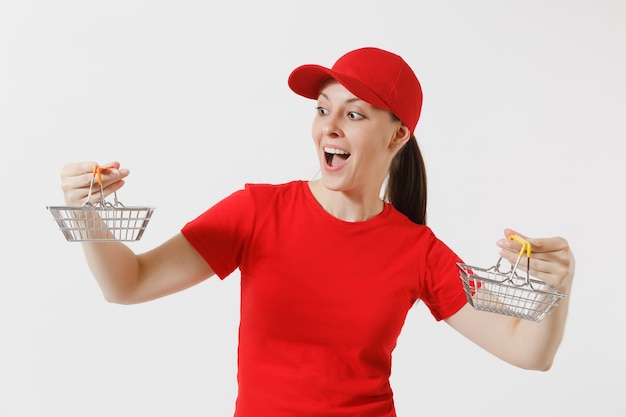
{"x": 350, "y": 100}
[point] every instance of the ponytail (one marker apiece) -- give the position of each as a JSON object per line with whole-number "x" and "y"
{"x": 406, "y": 183}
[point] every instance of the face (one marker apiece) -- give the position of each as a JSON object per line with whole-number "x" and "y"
{"x": 355, "y": 141}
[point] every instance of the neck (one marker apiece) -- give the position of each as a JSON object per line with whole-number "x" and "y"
{"x": 349, "y": 207}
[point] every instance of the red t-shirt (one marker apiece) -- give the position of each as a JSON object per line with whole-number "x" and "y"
{"x": 322, "y": 300}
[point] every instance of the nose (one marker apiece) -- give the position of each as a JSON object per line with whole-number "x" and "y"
{"x": 331, "y": 126}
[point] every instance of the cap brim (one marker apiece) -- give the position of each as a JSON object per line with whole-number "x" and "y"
{"x": 306, "y": 80}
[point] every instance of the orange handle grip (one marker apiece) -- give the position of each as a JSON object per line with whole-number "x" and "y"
{"x": 97, "y": 172}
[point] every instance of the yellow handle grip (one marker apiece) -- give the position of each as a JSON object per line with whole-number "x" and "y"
{"x": 525, "y": 245}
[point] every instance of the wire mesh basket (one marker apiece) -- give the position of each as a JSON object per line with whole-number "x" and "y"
{"x": 509, "y": 293}
{"x": 102, "y": 220}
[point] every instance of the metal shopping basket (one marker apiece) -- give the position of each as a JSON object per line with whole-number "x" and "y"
{"x": 509, "y": 293}
{"x": 102, "y": 220}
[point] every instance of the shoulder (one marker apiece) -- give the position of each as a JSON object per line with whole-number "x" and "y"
{"x": 400, "y": 221}
{"x": 266, "y": 192}
{"x": 419, "y": 238}
{"x": 270, "y": 188}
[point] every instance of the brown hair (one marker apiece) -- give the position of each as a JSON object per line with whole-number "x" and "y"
{"x": 406, "y": 183}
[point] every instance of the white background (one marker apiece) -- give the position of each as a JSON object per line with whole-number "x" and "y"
{"x": 522, "y": 126}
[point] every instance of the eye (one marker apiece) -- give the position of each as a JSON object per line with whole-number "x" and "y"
{"x": 352, "y": 115}
{"x": 322, "y": 111}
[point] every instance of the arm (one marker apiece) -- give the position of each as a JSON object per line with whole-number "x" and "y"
{"x": 123, "y": 276}
{"x": 520, "y": 342}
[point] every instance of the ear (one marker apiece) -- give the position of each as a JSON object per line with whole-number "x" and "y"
{"x": 401, "y": 136}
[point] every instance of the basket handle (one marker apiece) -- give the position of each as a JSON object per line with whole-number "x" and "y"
{"x": 513, "y": 271}
{"x": 97, "y": 175}
{"x": 525, "y": 248}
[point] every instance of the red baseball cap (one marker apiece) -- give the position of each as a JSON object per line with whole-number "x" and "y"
{"x": 376, "y": 76}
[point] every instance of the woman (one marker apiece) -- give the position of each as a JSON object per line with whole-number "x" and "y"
{"x": 328, "y": 269}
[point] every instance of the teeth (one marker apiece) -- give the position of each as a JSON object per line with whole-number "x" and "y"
{"x": 335, "y": 151}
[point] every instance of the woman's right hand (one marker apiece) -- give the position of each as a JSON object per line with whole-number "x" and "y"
{"x": 76, "y": 178}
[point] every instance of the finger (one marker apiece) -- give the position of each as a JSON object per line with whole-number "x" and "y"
{"x": 508, "y": 232}
{"x": 77, "y": 168}
{"x": 81, "y": 175}
{"x": 538, "y": 245}
{"x": 551, "y": 266}
{"x": 550, "y": 272}
{"x": 538, "y": 268}
{"x": 111, "y": 175}
{"x": 110, "y": 165}
{"x": 80, "y": 196}
{"x": 511, "y": 245}
{"x": 98, "y": 193}
{"x": 76, "y": 182}
{"x": 87, "y": 167}
{"x": 548, "y": 245}
{"x": 79, "y": 183}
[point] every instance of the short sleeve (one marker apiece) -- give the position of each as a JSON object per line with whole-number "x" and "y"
{"x": 444, "y": 293}
{"x": 221, "y": 233}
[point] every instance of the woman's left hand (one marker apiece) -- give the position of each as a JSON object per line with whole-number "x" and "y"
{"x": 551, "y": 259}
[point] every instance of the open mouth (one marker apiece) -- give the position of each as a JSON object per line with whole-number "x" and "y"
{"x": 335, "y": 157}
